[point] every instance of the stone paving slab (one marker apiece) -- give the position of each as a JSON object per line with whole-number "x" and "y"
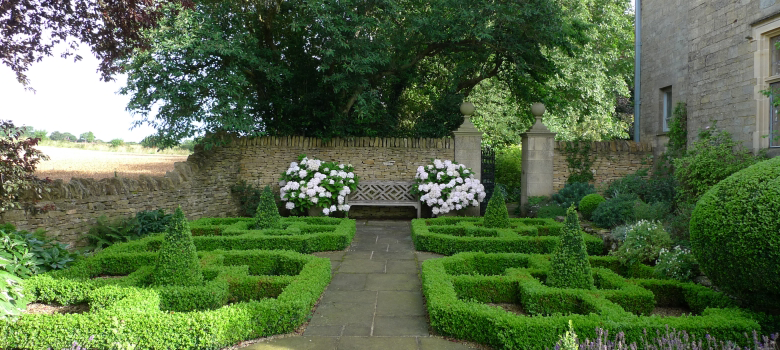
{"x": 360, "y": 297}
{"x": 297, "y": 343}
{"x": 376, "y": 343}
{"x": 400, "y": 266}
{"x": 362, "y": 266}
{"x": 369, "y": 247}
{"x": 394, "y": 303}
{"x": 393, "y": 281}
{"x": 394, "y": 256}
{"x": 352, "y": 330}
{"x": 374, "y": 300}
{"x": 348, "y": 281}
{"x": 333, "y": 314}
{"x": 400, "y": 326}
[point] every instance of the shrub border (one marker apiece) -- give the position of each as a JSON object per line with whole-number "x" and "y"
{"x": 508, "y": 241}
{"x": 325, "y": 234}
{"x": 471, "y": 320}
{"x": 154, "y": 329}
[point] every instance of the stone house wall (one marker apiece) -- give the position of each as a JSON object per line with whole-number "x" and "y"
{"x": 706, "y": 51}
{"x": 201, "y": 185}
{"x": 613, "y": 160}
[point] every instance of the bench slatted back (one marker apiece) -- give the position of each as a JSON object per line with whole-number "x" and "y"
{"x": 384, "y": 191}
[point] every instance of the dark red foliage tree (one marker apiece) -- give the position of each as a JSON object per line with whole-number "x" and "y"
{"x": 30, "y": 29}
{"x": 18, "y": 159}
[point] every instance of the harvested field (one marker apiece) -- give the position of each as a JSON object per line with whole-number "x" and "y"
{"x": 66, "y": 163}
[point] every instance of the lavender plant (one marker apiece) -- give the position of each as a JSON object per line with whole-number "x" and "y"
{"x": 671, "y": 339}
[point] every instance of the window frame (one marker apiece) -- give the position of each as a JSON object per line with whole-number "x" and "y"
{"x": 766, "y": 74}
{"x": 666, "y": 108}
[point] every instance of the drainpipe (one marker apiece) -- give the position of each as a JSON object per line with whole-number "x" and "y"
{"x": 637, "y": 66}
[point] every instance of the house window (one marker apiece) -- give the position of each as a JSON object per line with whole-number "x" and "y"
{"x": 774, "y": 99}
{"x": 774, "y": 119}
{"x": 775, "y": 55}
{"x": 666, "y": 108}
{"x": 766, "y": 70}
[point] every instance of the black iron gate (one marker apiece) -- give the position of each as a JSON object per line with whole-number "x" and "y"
{"x": 488, "y": 176}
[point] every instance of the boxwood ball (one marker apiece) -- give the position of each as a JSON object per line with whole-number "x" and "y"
{"x": 735, "y": 234}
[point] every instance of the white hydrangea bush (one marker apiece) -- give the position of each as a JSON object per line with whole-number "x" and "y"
{"x": 677, "y": 263}
{"x": 446, "y": 186}
{"x": 310, "y": 182}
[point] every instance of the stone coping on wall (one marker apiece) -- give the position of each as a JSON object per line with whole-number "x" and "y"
{"x": 380, "y": 142}
{"x": 611, "y": 146}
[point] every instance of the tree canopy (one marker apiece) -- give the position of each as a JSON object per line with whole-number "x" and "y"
{"x": 30, "y": 29}
{"x": 348, "y": 68}
{"x": 588, "y": 98}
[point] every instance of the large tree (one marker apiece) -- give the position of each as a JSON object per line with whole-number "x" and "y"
{"x": 31, "y": 29}
{"x": 340, "y": 68}
{"x": 586, "y": 99}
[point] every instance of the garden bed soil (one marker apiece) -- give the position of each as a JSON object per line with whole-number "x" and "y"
{"x": 50, "y": 309}
{"x": 107, "y": 277}
{"x": 663, "y": 311}
{"x": 510, "y": 307}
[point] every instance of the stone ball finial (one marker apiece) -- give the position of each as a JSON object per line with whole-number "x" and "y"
{"x": 467, "y": 108}
{"x": 537, "y": 109}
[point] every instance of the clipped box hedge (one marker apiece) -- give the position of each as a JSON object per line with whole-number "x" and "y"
{"x": 247, "y": 294}
{"x": 451, "y": 235}
{"x": 299, "y": 234}
{"x": 457, "y": 287}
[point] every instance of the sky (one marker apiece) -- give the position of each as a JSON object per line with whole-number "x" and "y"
{"x": 69, "y": 97}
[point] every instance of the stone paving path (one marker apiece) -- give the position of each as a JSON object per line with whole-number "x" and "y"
{"x": 374, "y": 300}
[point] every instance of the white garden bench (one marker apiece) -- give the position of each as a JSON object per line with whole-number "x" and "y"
{"x": 385, "y": 193}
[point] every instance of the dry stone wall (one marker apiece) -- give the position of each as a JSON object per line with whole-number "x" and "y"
{"x": 613, "y": 160}
{"x": 264, "y": 159}
{"x": 201, "y": 185}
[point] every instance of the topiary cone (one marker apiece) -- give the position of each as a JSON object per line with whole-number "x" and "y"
{"x": 569, "y": 265}
{"x": 267, "y": 214}
{"x": 177, "y": 261}
{"x": 496, "y": 214}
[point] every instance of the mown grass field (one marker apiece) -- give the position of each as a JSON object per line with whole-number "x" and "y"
{"x": 66, "y": 163}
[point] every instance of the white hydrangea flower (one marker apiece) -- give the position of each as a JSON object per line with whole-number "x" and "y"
{"x": 326, "y": 211}
{"x": 290, "y": 205}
